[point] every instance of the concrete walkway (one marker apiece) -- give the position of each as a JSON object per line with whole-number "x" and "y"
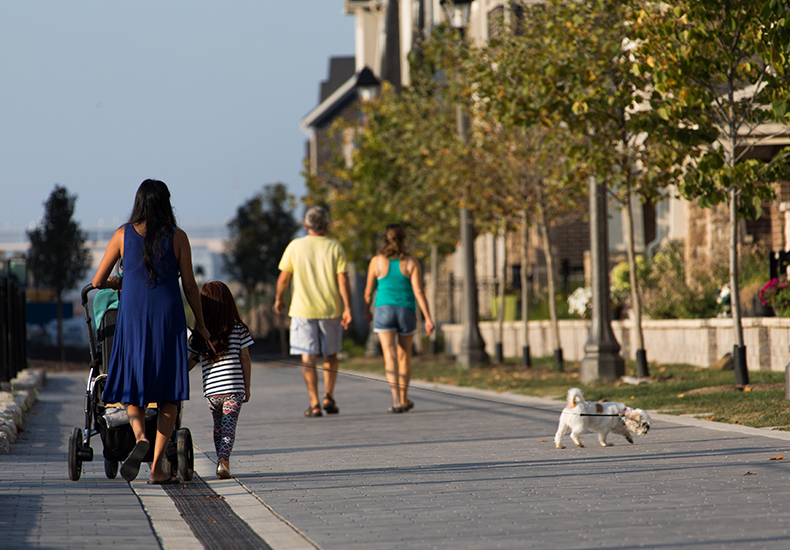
{"x": 464, "y": 469}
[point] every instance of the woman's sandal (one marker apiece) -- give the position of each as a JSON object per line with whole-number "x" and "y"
{"x": 314, "y": 411}
{"x": 409, "y": 405}
{"x": 131, "y": 466}
{"x": 330, "y": 406}
{"x": 395, "y": 410}
{"x": 172, "y": 480}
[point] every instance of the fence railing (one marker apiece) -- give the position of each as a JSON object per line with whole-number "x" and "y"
{"x": 13, "y": 329}
{"x": 449, "y": 296}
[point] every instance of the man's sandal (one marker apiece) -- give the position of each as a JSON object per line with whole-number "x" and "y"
{"x": 314, "y": 411}
{"x": 330, "y": 406}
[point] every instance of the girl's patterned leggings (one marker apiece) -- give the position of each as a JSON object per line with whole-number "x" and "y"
{"x": 225, "y": 410}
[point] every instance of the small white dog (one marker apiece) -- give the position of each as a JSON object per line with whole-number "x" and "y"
{"x": 579, "y": 415}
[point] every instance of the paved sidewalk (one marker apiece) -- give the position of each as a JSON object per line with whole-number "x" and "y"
{"x": 453, "y": 473}
{"x": 456, "y": 473}
{"x": 41, "y": 508}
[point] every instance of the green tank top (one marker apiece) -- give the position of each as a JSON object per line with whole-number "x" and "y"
{"x": 394, "y": 289}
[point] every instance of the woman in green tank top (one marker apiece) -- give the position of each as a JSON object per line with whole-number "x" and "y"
{"x": 398, "y": 279}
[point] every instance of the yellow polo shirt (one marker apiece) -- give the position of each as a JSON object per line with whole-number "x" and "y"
{"x": 315, "y": 262}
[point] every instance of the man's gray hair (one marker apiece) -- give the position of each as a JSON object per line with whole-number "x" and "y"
{"x": 316, "y": 219}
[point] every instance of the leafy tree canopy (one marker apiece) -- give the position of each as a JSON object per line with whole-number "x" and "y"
{"x": 58, "y": 257}
{"x": 718, "y": 67}
{"x": 404, "y": 157}
{"x": 260, "y": 231}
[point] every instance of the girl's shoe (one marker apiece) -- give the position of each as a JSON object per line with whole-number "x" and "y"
{"x": 223, "y": 469}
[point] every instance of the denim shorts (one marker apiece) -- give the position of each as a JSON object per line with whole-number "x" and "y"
{"x": 394, "y": 318}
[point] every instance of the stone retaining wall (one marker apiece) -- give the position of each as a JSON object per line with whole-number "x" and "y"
{"x": 695, "y": 341}
{"x": 16, "y": 400}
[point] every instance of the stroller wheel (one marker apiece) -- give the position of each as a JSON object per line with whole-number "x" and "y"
{"x": 110, "y": 468}
{"x": 170, "y": 462}
{"x": 75, "y": 464}
{"x": 186, "y": 454}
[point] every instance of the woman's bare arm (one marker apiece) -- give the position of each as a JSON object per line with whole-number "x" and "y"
{"x": 112, "y": 254}
{"x": 370, "y": 287}
{"x": 184, "y": 256}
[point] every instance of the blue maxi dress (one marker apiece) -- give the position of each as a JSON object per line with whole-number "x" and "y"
{"x": 148, "y": 363}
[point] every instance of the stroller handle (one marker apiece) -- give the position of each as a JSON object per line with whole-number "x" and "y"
{"x": 89, "y": 322}
{"x": 85, "y": 292}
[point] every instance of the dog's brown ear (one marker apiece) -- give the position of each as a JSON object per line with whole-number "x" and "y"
{"x": 598, "y": 408}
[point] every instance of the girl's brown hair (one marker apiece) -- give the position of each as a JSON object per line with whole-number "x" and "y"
{"x": 393, "y": 244}
{"x": 219, "y": 313}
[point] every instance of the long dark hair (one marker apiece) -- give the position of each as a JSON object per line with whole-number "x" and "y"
{"x": 393, "y": 243}
{"x": 219, "y": 313}
{"x": 152, "y": 206}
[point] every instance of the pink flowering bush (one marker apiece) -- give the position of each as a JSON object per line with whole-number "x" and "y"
{"x": 776, "y": 294}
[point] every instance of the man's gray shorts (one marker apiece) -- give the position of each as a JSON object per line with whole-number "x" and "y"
{"x": 316, "y": 336}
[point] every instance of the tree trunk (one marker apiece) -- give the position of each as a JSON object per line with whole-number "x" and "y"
{"x": 525, "y": 287}
{"x": 636, "y": 302}
{"x": 501, "y": 297}
{"x": 739, "y": 350}
{"x": 432, "y": 294}
{"x": 734, "y": 291}
{"x": 552, "y": 291}
{"x": 59, "y": 301}
{"x": 417, "y": 341}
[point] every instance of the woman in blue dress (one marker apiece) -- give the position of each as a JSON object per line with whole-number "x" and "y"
{"x": 149, "y": 362}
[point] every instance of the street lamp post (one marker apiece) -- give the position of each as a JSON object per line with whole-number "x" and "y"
{"x": 367, "y": 87}
{"x": 601, "y": 352}
{"x": 472, "y": 350}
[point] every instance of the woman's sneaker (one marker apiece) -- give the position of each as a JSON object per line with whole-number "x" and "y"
{"x": 223, "y": 469}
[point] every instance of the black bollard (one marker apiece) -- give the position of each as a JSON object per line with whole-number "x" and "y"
{"x": 641, "y": 364}
{"x": 558, "y": 359}
{"x": 787, "y": 381}
{"x": 741, "y": 371}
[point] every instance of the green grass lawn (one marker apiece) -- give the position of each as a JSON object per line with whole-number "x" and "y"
{"x": 675, "y": 389}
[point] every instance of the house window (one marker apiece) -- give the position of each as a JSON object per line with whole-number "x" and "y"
{"x": 349, "y": 144}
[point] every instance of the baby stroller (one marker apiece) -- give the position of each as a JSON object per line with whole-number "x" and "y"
{"x": 109, "y": 420}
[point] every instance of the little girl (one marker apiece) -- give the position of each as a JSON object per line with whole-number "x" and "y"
{"x": 226, "y": 376}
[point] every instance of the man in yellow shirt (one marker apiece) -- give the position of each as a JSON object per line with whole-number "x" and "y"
{"x": 317, "y": 266}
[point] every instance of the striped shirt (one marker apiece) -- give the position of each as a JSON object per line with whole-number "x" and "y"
{"x": 225, "y": 374}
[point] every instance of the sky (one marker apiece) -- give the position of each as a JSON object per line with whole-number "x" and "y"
{"x": 207, "y": 96}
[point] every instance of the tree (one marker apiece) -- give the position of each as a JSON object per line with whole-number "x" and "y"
{"x": 602, "y": 97}
{"x": 397, "y": 172}
{"x": 403, "y": 155}
{"x": 517, "y": 102}
{"x": 718, "y": 68}
{"x": 260, "y": 231}
{"x": 58, "y": 257}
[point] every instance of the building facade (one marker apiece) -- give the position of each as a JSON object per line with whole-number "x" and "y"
{"x": 386, "y": 31}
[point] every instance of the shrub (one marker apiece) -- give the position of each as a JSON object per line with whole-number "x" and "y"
{"x": 674, "y": 290}
{"x": 776, "y": 293}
